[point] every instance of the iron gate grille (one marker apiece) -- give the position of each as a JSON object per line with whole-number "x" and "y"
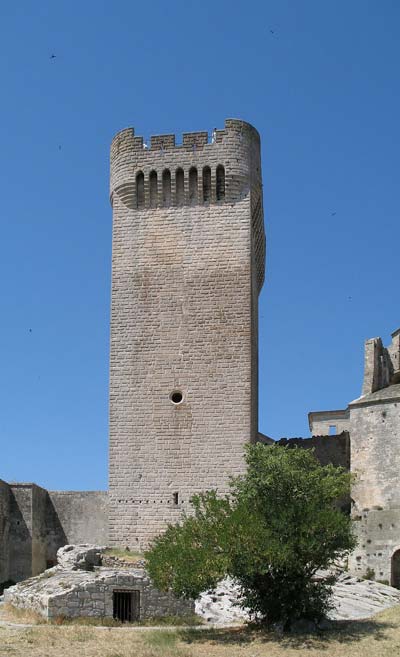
{"x": 126, "y": 606}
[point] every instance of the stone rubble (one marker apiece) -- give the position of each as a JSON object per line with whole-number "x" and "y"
{"x": 80, "y": 557}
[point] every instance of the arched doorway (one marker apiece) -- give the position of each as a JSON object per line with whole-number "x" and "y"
{"x": 395, "y": 578}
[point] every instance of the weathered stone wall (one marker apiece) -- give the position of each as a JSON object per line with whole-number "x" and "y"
{"x": 20, "y": 535}
{"x": 375, "y": 461}
{"x": 327, "y": 449}
{"x": 28, "y": 530}
{"x": 4, "y": 531}
{"x": 375, "y": 449}
{"x": 71, "y": 594}
{"x": 378, "y": 535}
{"x": 39, "y": 529}
{"x": 35, "y": 523}
{"x": 381, "y": 364}
{"x": 186, "y": 276}
{"x": 82, "y": 515}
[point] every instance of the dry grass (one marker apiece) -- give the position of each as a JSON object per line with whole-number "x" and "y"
{"x": 379, "y": 637}
{"x": 168, "y": 621}
{"x": 126, "y": 555}
{"x": 17, "y": 615}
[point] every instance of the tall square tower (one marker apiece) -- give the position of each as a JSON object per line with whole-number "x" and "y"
{"x": 187, "y": 268}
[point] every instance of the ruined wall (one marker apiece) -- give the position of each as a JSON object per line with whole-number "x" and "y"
{"x": 187, "y": 269}
{"x": 82, "y": 516}
{"x": 375, "y": 449}
{"x": 4, "y": 531}
{"x": 39, "y": 529}
{"x": 375, "y": 462}
{"x": 27, "y": 535}
{"x": 35, "y": 523}
{"x": 381, "y": 364}
{"x": 327, "y": 449}
{"x": 378, "y": 535}
{"x": 20, "y": 534}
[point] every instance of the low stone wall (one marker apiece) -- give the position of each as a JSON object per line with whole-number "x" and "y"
{"x": 72, "y": 594}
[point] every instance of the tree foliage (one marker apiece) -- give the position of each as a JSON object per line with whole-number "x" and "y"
{"x": 278, "y": 527}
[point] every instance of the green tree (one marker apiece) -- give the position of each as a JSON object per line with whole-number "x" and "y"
{"x": 279, "y": 526}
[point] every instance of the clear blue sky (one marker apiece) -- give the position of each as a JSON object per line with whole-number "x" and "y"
{"x": 320, "y": 81}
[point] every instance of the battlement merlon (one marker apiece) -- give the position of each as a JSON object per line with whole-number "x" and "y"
{"x": 125, "y": 140}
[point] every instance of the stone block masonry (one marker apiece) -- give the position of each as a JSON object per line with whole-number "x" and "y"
{"x": 34, "y": 523}
{"x": 373, "y": 422}
{"x": 187, "y": 267}
{"x": 70, "y": 594}
{"x": 83, "y": 515}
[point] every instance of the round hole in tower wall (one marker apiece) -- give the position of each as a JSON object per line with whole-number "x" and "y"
{"x": 176, "y": 397}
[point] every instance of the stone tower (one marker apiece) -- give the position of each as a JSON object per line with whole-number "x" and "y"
{"x": 187, "y": 268}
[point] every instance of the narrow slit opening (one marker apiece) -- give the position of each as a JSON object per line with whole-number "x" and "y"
{"x": 220, "y": 183}
{"x": 166, "y": 187}
{"x": 140, "y": 200}
{"x": 153, "y": 189}
{"x": 206, "y": 184}
{"x": 180, "y": 187}
{"x": 193, "y": 181}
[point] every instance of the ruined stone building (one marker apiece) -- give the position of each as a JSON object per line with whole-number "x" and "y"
{"x": 373, "y": 423}
{"x": 188, "y": 258}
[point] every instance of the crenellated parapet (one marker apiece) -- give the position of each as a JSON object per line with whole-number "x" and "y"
{"x": 202, "y": 169}
{"x": 222, "y": 167}
{"x": 125, "y": 140}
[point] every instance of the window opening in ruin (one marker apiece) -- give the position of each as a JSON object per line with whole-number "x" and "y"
{"x": 220, "y": 182}
{"x": 180, "y": 187}
{"x": 153, "y": 189}
{"x": 206, "y": 184}
{"x": 126, "y": 606}
{"x": 395, "y": 575}
{"x": 166, "y": 187}
{"x": 176, "y": 397}
{"x": 140, "y": 190}
{"x": 193, "y": 193}
{"x": 176, "y": 498}
{"x": 332, "y": 430}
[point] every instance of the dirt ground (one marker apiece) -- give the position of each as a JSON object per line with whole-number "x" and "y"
{"x": 378, "y": 637}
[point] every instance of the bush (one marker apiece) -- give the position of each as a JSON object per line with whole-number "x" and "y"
{"x": 280, "y": 525}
